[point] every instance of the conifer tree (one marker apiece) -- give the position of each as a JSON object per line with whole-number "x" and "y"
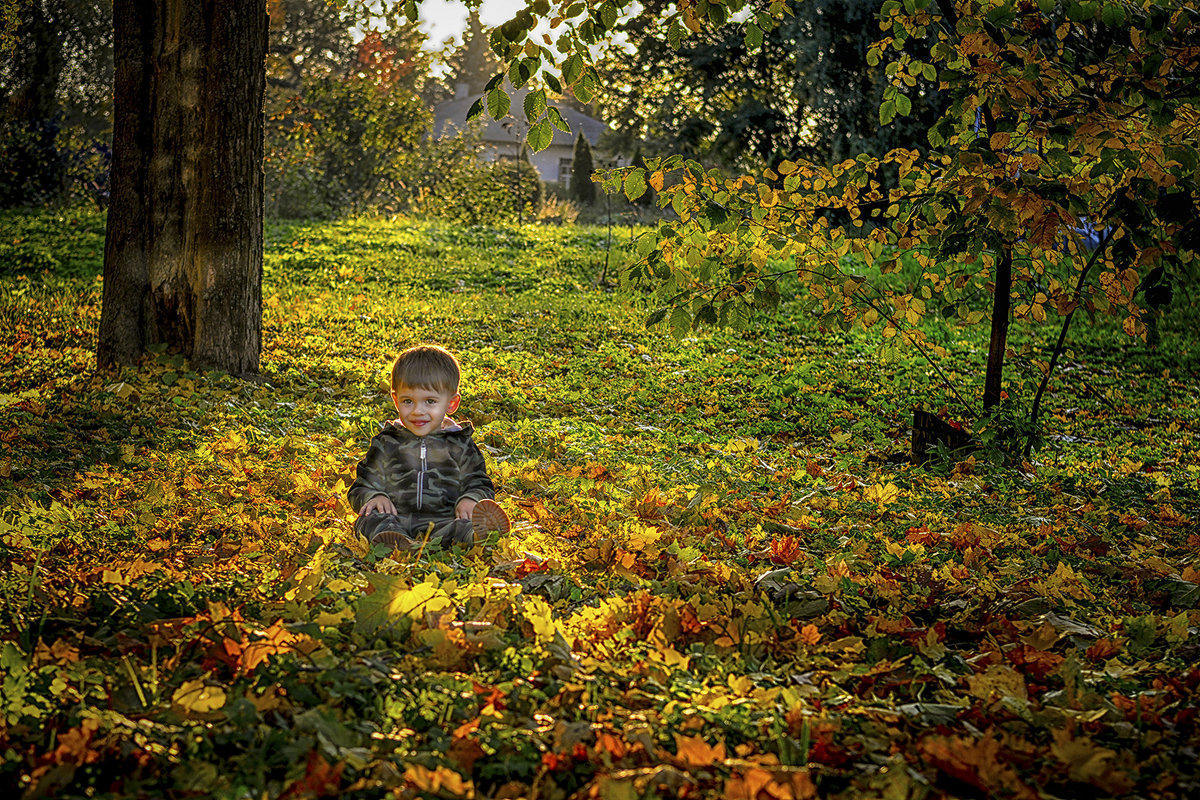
{"x": 582, "y": 188}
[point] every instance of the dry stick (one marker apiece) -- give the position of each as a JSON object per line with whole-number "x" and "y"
{"x": 1062, "y": 336}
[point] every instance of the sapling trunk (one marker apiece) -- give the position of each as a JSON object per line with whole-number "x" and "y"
{"x": 1001, "y": 307}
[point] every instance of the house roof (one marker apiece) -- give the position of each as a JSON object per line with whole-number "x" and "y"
{"x": 452, "y": 115}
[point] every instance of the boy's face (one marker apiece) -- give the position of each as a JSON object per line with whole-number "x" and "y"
{"x": 422, "y": 410}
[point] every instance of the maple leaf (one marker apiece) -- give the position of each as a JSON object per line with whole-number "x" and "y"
{"x": 785, "y": 550}
{"x": 438, "y": 779}
{"x": 693, "y": 751}
{"x": 757, "y": 782}
{"x": 976, "y": 762}
{"x": 882, "y": 494}
{"x": 275, "y": 639}
{"x": 61, "y": 653}
{"x": 1089, "y": 763}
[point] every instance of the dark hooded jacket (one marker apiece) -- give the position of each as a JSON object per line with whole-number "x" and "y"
{"x": 422, "y": 474}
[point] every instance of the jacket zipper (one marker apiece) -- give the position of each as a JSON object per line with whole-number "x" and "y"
{"x": 421, "y": 478}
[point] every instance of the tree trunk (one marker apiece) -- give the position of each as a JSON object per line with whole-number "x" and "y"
{"x": 1001, "y": 305}
{"x": 183, "y": 252}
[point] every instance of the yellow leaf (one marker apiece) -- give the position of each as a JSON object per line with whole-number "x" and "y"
{"x": 121, "y": 390}
{"x": 740, "y": 684}
{"x": 1085, "y": 761}
{"x": 826, "y": 584}
{"x": 541, "y": 617}
{"x": 424, "y": 597}
{"x": 441, "y": 779}
{"x": 998, "y": 681}
{"x": 197, "y": 697}
{"x": 329, "y": 620}
{"x": 882, "y": 494}
{"x": 643, "y": 537}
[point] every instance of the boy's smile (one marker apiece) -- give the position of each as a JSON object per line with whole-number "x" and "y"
{"x": 422, "y": 410}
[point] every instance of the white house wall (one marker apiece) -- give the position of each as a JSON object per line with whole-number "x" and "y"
{"x": 500, "y": 138}
{"x": 545, "y": 162}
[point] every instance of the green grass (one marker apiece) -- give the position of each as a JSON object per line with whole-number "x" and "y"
{"x": 717, "y": 578}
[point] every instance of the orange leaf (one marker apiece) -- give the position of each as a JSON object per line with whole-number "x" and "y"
{"x": 810, "y": 635}
{"x": 785, "y": 550}
{"x": 320, "y": 779}
{"x": 693, "y": 751}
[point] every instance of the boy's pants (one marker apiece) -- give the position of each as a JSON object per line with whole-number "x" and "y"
{"x": 446, "y": 532}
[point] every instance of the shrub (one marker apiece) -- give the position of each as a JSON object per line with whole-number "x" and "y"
{"x": 31, "y": 163}
{"x": 448, "y": 179}
{"x": 341, "y": 148}
{"x": 526, "y": 193}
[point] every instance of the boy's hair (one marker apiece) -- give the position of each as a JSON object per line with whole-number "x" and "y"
{"x": 426, "y": 366}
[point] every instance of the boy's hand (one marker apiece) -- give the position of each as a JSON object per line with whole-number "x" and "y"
{"x": 464, "y": 508}
{"x": 380, "y": 503}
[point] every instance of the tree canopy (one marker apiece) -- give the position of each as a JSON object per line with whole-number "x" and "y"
{"x": 1060, "y": 120}
{"x": 806, "y": 91}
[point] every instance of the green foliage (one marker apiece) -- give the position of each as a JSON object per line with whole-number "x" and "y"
{"x": 583, "y": 190}
{"x": 342, "y": 147}
{"x": 448, "y": 179}
{"x": 1049, "y": 114}
{"x": 67, "y": 242}
{"x": 718, "y": 576}
{"x": 745, "y": 96}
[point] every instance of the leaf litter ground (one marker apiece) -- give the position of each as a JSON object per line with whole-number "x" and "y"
{"x": 718, "y": 583}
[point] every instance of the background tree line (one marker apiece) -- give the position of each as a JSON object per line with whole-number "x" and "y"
{"x": 348, "y": 121}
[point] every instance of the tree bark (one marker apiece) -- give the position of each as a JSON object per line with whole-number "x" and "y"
{"x": 183, "y": 251}
{"x": 1001, "y": 312}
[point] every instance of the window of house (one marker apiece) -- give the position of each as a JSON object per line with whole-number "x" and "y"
{"x": 564, "y": 171}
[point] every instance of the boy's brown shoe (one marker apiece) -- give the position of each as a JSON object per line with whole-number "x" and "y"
{"x": 488, "y": 516}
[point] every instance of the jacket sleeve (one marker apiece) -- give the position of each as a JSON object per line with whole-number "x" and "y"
{"x": 368, "y": 478}
{"x": 474, "y": 483}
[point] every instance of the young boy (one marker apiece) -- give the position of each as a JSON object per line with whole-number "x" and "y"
{"x": 423, "y": 477}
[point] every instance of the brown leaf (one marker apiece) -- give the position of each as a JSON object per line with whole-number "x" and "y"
{"x": 978, "y": 763}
